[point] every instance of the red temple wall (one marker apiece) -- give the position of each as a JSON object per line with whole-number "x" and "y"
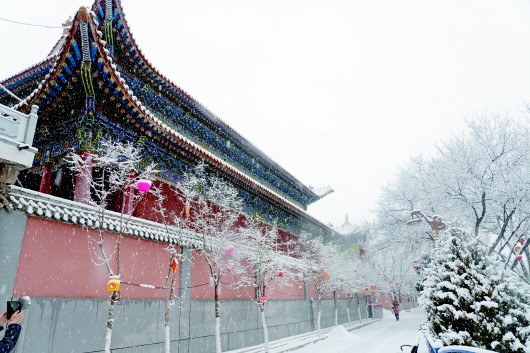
{"x": 62, "y": 260}
{"x": 286, "y": 288}
{"x": 203, "y": 288}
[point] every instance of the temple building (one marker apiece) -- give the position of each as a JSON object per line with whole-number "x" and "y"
{"x": 96, "y": 84}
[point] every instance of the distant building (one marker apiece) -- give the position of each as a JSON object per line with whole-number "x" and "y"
{"x": 350, "y": 236}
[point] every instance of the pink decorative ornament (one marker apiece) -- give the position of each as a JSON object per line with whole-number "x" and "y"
{"x": 417, "y": 241}
{"x": 144, "y": 185}
{"x": 280, "y": 273}
{"x": 229, "y": 250}
{"x": 415, "y": 267}
{"x": 521, "y": 241}
{"x": 519, "y": 257}
{"x": 262, "y": 300}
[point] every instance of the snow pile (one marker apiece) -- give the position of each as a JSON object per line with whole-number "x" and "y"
{"x": 381, "y": 336}
{"x": 464, "y": 348}
{"x": 340, "y": 333}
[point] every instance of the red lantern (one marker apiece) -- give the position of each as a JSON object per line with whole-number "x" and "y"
{"x": 521, "y": 241}
{"x": 519, "y": 257}
{"x": 280, "y": 273}
{"x": 174, "y": 265}
{"x": 143, "y": 185}
{"x": 187, "y": 209}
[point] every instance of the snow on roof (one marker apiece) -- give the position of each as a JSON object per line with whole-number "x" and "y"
{"x": 52, "y": 207}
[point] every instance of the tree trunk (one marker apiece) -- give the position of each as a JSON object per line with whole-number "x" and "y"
{"x": 319, "y": 304}
{"x": 217, "y": 320}
{"x": 336, "y": 308}
{"x": 169, "y": 295}
{"x": 167, "y": 335}
{"x": 265, "y": 329}
{"x": 110, "y": 321}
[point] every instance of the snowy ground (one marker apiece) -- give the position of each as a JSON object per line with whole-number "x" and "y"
{"x": 384, "y": 336}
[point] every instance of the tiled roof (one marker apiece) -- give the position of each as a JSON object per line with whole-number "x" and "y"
{"x": 46, "y": 206}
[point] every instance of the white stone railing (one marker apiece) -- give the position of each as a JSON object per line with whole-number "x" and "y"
{"x": 16, "y": 135}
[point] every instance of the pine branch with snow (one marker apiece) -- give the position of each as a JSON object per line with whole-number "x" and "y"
{"x": 471, "y": 300}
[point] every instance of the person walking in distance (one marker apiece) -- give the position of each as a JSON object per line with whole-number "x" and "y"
{"x": 12, "y": 332}
{"x": 395, "y": 307}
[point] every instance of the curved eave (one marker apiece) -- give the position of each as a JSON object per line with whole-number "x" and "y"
{"x": 52, "y": 80}
{"x": 14, "y": 82}
{"x": 314, "y": 196}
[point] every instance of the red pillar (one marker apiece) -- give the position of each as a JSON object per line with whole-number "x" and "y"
{"x": 46, "y": 179}
{"x": 82, "y": 180}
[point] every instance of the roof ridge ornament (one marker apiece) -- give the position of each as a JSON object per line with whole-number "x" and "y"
{"x": 86, "y": 64}
{"x": 109, "y": 38}
{"x": 321, "y": 191}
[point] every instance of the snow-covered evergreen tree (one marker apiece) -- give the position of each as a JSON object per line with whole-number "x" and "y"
{"x": 471, "y": 300}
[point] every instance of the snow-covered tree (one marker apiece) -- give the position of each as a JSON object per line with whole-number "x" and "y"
{"x": 269, "y": 260}
{"x": 477, "y": 178}
{"x": 471, "y": 300}
{"x": 174, "y": 250}
{"x": 321, "y": 260}
{"x": 212, "y": 210}
{"x": 117, "y": 176}
{"x": 390, "y": 260}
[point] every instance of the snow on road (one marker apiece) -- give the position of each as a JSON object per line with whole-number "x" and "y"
{"x": 384, "y": 336}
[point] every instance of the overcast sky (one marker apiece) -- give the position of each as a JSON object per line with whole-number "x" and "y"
{"x": 338, "y": 92}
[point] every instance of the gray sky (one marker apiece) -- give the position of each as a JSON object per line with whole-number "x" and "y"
{"x": 338, "y": 92}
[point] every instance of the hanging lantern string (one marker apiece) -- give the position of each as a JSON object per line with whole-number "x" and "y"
{"x": 30, "y": 24}
{"x": 149, "y": 286}
{"x": 13, "y": 95}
